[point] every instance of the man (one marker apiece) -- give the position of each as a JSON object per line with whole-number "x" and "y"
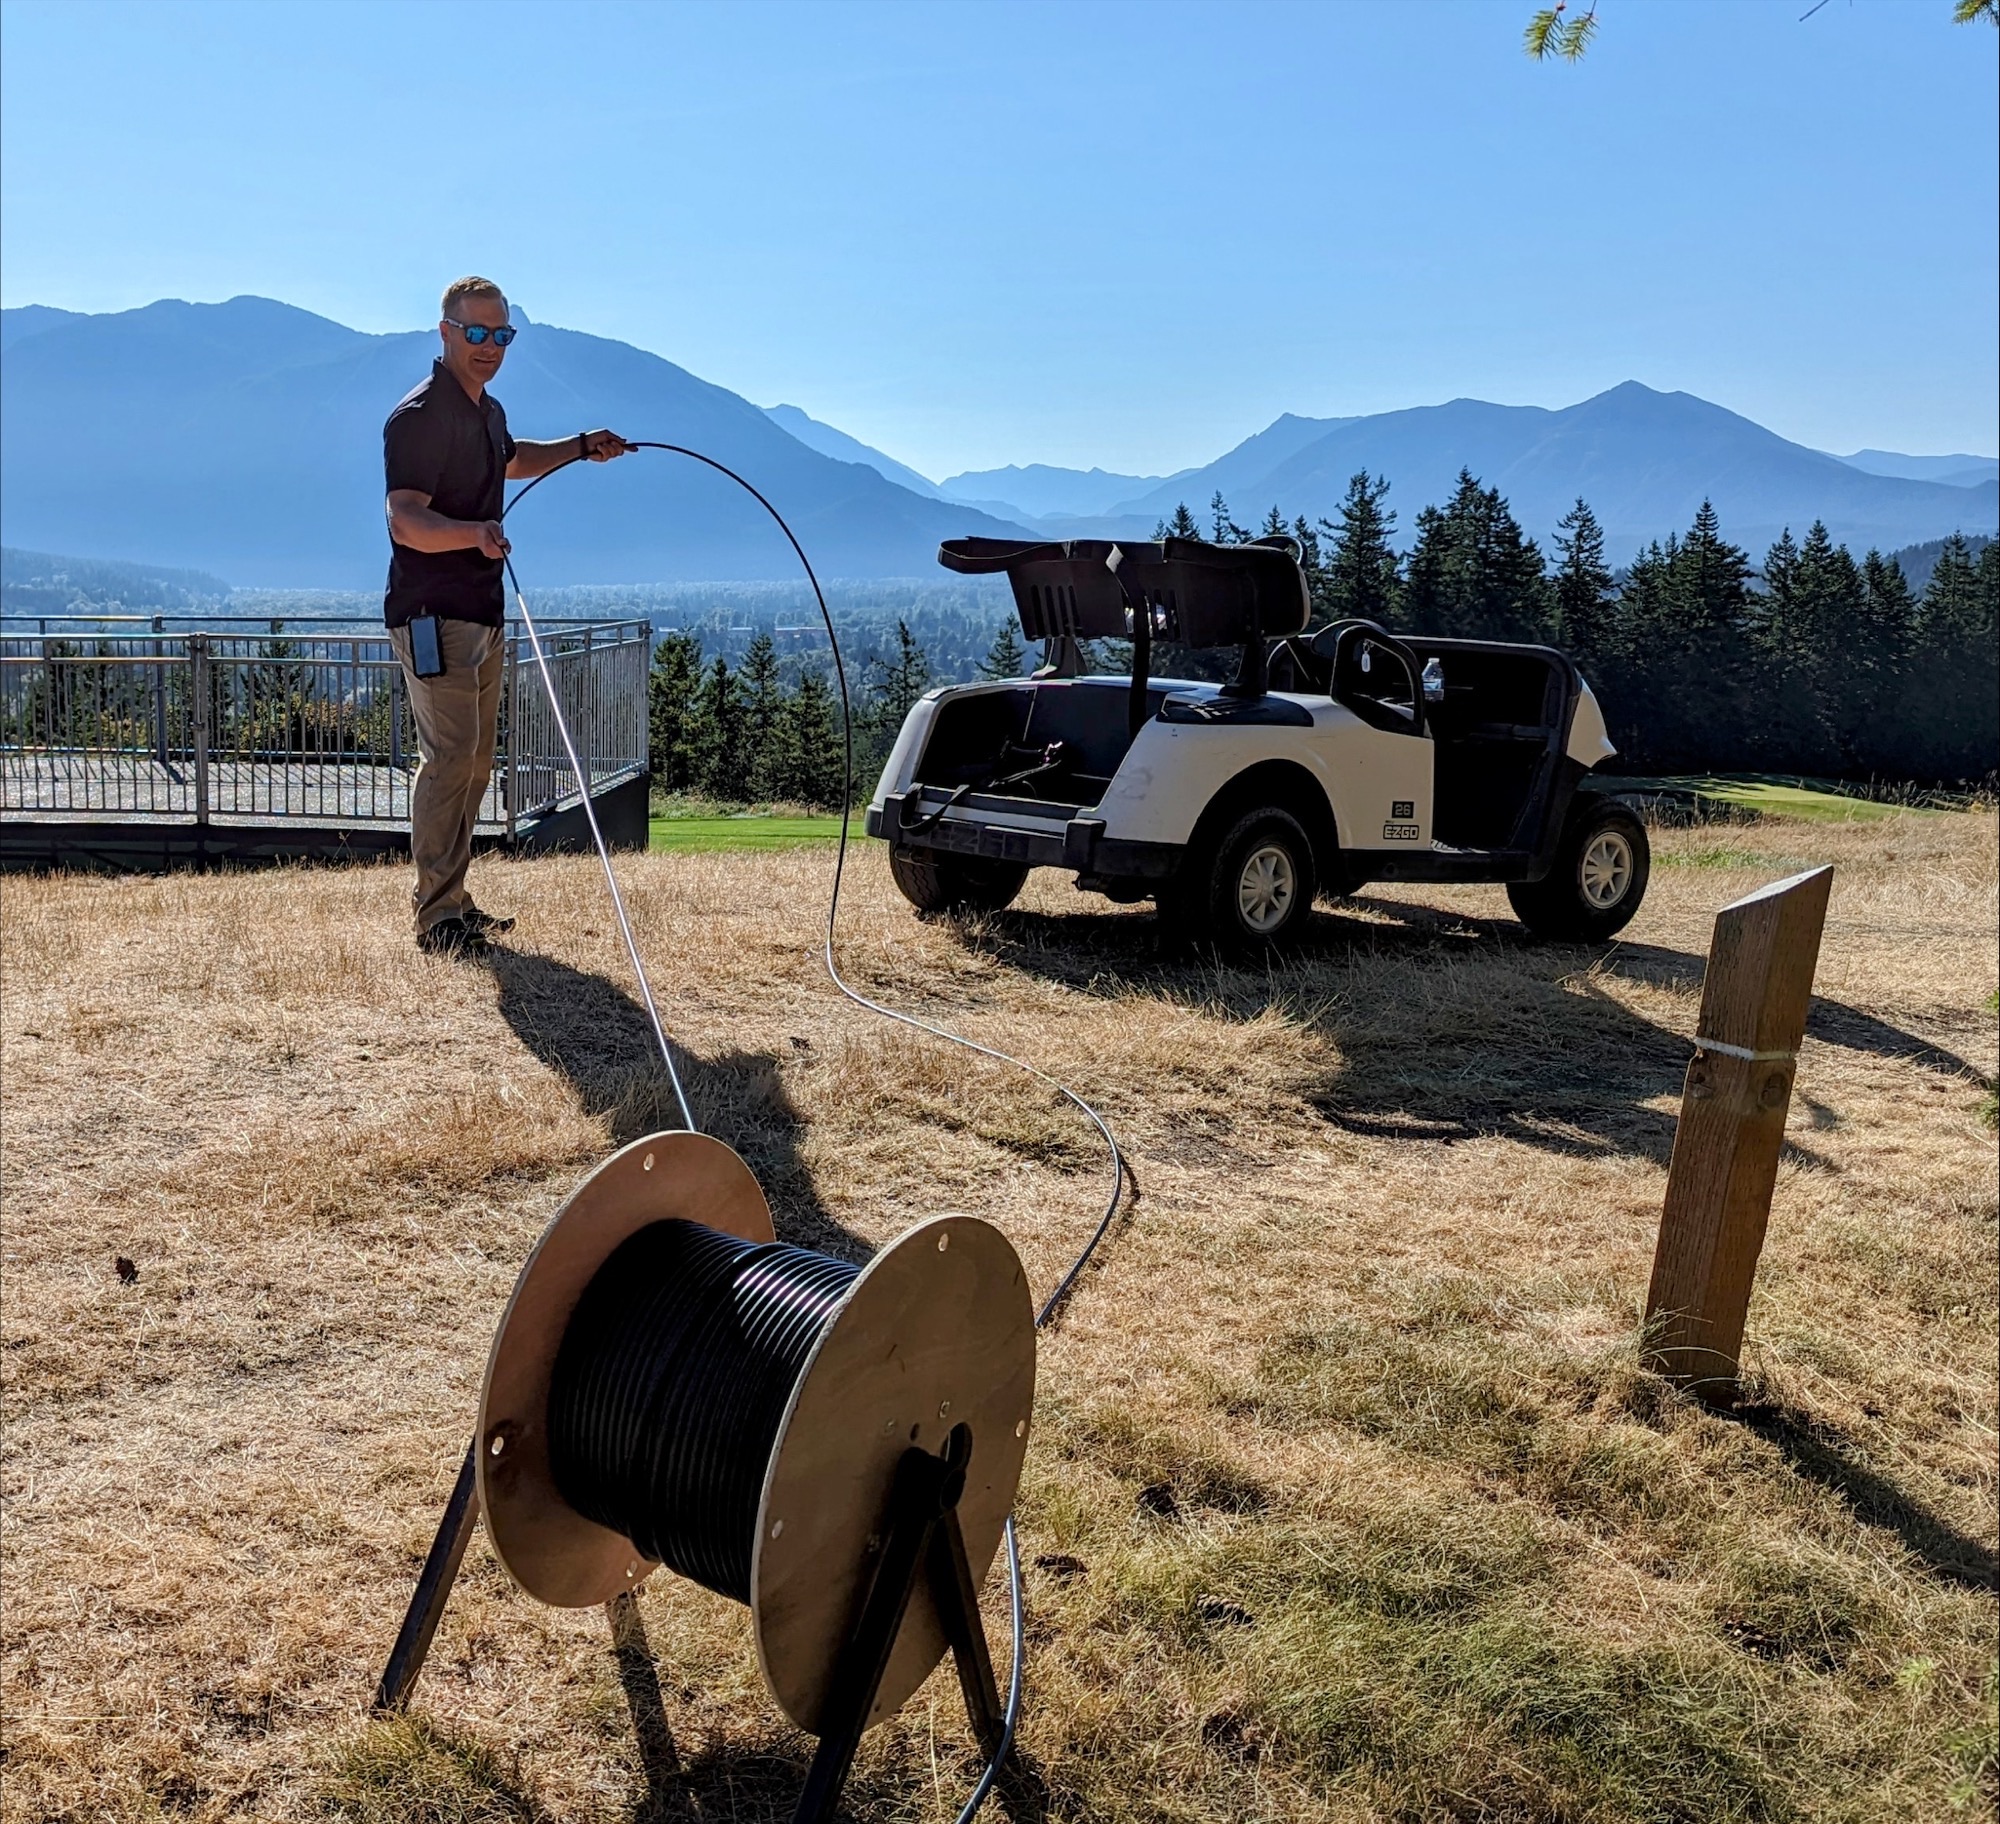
{"x": 447, "y": 455}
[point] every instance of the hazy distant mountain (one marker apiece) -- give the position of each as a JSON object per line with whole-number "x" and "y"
{"x": 1953, "y": 471}
{"x": 245, "y": 438}
{"x": 1918, "y": 561}
{"x": 40, "y": 582}
{"x": 843, "y": 448}
{"x": 1236, "y": 474}
{"x": 29, "y": 320}
{"x": 1039, "y": 489}
{"x": 1644, "y": 460}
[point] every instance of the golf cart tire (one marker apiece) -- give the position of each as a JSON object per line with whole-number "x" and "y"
{"x": 1598, "y": 879}
{"x": 955, "y": 883}
{"x": 1253, "y": 888}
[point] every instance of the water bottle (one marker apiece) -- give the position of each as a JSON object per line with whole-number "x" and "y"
{"x": 1433, "y": 680}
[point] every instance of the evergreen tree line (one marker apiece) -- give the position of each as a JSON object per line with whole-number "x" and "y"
{"x": 1812, "y": 663}
{"x": 743, "y": 734}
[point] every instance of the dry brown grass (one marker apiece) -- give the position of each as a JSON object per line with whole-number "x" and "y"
{"x": 1418, "y": 1540}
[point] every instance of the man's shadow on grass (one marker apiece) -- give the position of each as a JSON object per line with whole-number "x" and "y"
{"x": 599, "y": 1039}
{"x": 1445, "y": 1027}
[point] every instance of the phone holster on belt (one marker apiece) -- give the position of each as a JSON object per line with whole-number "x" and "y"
{"x": 426, "y": 648}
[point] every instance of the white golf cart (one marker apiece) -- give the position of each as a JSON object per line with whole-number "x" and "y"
{"x": 1349, "y": 756}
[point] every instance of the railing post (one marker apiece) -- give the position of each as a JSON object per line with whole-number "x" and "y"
{"x": 159, "y": 696}
{"x": 510, "y": 794}
{"x": 198, "y": 686}
{"x": 1732, "y": 1130}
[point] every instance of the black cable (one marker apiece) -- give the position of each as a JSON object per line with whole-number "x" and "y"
{"x": 1053, "y": 1304}
{"x": 670, "y": 1385}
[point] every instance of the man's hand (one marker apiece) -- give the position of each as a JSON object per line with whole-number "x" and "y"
{"x": 492, "y": 540}
{"x": 601, "y": 446}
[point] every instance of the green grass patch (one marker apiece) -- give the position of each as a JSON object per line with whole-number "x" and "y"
{"x": 405, "y": 1770}
{"x": 1423, "y": 1634}
{"x": 1810, "y": 800}
{"x": 701, "y": 835}
{"x": 1723, "y": 856}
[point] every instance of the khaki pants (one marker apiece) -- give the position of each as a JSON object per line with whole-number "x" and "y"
{"x": 457, "y": 715}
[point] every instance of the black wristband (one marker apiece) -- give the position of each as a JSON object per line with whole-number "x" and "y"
{"x": 583, "y": 446}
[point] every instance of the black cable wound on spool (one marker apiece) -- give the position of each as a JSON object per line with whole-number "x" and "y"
{"x": 671, "y": 1382}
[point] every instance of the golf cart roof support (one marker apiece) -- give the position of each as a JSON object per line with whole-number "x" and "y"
{"x": 1182, "y": 589}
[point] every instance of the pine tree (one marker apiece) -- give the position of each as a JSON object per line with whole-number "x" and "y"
{"x": 1473, "y": 573}
{"x": 1711, "y": 577}
{"x": 1878, "y": 739}
{"x": 1771, "y": 616}
{"x": 1951, "y": 605}
{"x": 1006, "y": 656}
{"x": 1182, "y": 525}
{"x": 1319, "y": 585}
{"x": 1274, "y": 524}
{"x": 1954, "y": 656}
{"x": 1582, "y": 586}
{"x": 809, "y": 746}
{"x": 904, "y": 678}
{"x": 1791, "y": 734}
{"x": 1222, "y": 529}
{"x": 670, "y": 689}
{"x": 720, "y": 761}
{"x": 1361, "y": 566}
{"x": 899, "y": 682}
{"x": 762, "y": 698}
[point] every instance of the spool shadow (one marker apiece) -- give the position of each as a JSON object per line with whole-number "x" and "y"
{"x": 597, "y": 1037}
{"x": 1553, "y": 1059}
{"x": 723, "y": 1780}
{"x": 1818, "y": 1454}
{"x": 653, "y": 1735}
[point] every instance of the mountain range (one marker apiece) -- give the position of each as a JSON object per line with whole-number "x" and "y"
{"x": 243, "y": 438}
{"x": 1645, "y": 460}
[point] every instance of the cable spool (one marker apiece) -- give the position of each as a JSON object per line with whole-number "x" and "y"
{"x": 669, "y": 1386}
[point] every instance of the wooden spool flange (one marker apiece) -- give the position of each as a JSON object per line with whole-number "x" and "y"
{"x": 936, "y": 1332}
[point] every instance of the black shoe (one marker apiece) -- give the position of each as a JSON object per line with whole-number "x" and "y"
{"x": 452, "y": 937}
{"x": 486, "y": 924}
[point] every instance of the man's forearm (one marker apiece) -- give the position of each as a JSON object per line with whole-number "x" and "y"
{"x": 426, "y": 529}
{"x": 532, "y": 459}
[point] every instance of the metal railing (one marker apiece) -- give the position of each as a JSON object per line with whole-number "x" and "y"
{"x": 306, "y": 724}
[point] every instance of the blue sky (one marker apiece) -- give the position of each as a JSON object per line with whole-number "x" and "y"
{"x": 1122, "y": 234}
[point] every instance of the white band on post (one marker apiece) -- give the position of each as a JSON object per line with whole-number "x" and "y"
{"x": 1738, "y": 1051}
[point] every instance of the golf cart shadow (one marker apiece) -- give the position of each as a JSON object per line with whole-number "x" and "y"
{"x": 1441, "y": 1027}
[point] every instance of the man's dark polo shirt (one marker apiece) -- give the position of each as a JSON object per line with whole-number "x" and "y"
{"x": 441, "y": 444}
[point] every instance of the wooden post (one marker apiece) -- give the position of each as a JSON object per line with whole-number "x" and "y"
{"x": 1732, "y": 1128}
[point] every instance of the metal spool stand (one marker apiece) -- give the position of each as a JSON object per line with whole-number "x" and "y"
{"x": 886, "y": 1490}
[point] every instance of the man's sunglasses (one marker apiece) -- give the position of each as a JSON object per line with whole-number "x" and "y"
{"x": 476, "y": 333}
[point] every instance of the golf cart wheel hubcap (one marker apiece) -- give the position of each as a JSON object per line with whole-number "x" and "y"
{"x": 1266, "y": 888}
{"x": 1606, "y": 869}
